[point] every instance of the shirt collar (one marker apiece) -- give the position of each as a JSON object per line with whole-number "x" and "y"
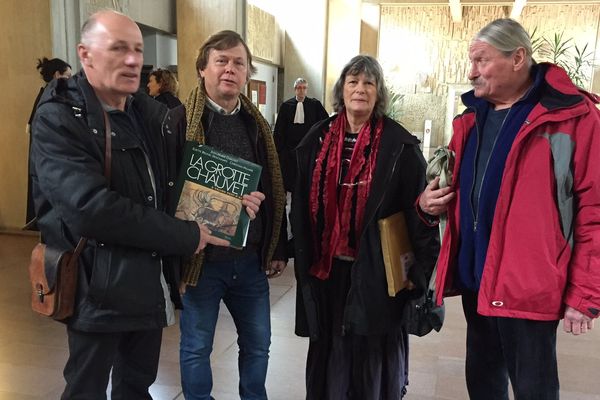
{"x": 108, "y": 108}
{"x": 215, "y": 107}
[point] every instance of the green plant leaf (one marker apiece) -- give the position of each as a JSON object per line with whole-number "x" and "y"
{"x": 577, "y": 61}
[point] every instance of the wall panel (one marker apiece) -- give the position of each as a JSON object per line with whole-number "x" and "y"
{"x": 196, "y": 21}
{"x": 21, "y": 44}
{"x": 263, "y": 35}
{"x": 425, "y": 54}
{"x": 305, "y": 48}
{"x": 343, "y": 40}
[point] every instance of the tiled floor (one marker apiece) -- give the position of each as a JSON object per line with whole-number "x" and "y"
{"x": 33, "y": 349}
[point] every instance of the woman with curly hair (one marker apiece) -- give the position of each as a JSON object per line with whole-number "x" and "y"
{"x": 355, "y": 168}
{"x": 163, "y": 86}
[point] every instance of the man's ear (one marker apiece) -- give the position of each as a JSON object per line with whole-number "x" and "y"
{"x": 520, "y": 59}
{"x": 84, "y": 55}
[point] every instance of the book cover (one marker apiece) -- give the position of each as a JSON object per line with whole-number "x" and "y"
{"x": 397, "y": 252}
{"x": 211, "y": 184}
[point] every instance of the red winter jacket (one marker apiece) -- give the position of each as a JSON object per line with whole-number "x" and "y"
{"x": 544, "y": 250}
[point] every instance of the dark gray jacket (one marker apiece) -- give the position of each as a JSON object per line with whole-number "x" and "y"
{"x": 129, "y": 234}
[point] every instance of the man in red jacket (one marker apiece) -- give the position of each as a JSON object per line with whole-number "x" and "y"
{"x": 521, "y": 243}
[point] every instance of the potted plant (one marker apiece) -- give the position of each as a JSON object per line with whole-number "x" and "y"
{"x": 575, "y": 60}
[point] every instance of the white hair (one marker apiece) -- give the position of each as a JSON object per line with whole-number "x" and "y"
{"x": 506, "y": 35}
{"x": 299, "y": 81}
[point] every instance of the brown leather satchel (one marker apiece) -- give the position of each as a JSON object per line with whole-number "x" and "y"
{"x": 53, "y": 276}
{"x": 53, "y": 273}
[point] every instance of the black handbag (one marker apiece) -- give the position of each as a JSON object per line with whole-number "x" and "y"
{"x": 422, "y": 315}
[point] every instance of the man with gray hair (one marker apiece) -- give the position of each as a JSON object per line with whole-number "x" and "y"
{"x": 125, "y": 281}
{"x": 295, "y": 117}
{"x": 522, "y": 237}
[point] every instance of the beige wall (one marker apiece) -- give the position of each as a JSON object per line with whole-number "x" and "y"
{"x": 343, "y": 40}
{"x": 369, "y": 29}
{"x": 196, "y": 21}
{"x": 20, "y": 45}
{"x": 156, "y": 13}
{"x": 305, "y": 43}
{"x": 67, "y": 16}
{"x": 316, "y": 48}
{"x": 263, "y": 35}
{"x": 424, "y": 54}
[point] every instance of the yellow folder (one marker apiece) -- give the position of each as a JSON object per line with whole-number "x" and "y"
{"x": 397, "y": 251}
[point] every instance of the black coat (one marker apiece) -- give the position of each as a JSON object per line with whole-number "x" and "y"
{"x": 398, "y": 179}
{"x": 30, "y": 222}
{"x": 287, "y": 135}
{"x": 129, "y": 232}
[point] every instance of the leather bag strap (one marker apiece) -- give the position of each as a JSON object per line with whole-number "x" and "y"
{"x": 107, "y": 147}
{"x": 78, "y": 250}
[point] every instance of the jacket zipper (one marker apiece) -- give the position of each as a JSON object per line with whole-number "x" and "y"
{"x": 527, "y": 122}
{"x": 151, "y": 177}
{"x": 167, "y": 177}
{"x": 475, "y": 213}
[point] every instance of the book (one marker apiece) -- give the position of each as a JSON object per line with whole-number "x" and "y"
{"x": 397, "y": 252}
{"x": 210, "y": 185}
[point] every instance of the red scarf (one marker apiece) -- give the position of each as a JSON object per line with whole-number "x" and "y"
{"x": 334, "y": 219}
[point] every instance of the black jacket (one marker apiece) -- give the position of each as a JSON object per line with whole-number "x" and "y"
{"x": 287, "y": 135}
{"x": 168, "y": 99}
{"x": 398, "y": 180}
{"x": 119, "y": 285}
{"x": 30, "y": 223}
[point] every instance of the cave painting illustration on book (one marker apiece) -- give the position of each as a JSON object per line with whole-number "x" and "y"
{"x": 214, "y": 209}
{"x": 211, "y": 185}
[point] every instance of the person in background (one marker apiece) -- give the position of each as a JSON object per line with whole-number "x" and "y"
{"x": 522, "y": 236}
{"x": 295, "y": 117}
{"x": 163, "y": 86}
{"x": 123, "y": 298}
{"x": 49, "y": 70}
{"x": 354, "y": 169}
{"x": 222, "y": 117}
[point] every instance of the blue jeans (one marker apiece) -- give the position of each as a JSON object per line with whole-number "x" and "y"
{"x": 243, "y": 287}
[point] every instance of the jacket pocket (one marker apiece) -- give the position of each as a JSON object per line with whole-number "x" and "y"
{"x": 99, "y": 279}
{"x": 125, "y": 281}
